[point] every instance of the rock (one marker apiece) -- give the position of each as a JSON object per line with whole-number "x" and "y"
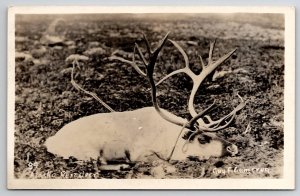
{"x": 20, "y": 39}
{"x": 72, "y": 47}
{"x": 122, "y": 53}
{"x": 94, "y": 51}
{"x": 94, "y": 44}
{"x": 70, "y": 43}
{"x": 42, "y": 61}
{"x": 23, "y": 56}
{"x": 37, "y": 62}
{"x": 52, "y": 39}
{"x": 158, "y": 171}
{"x": 169, "y": 169}
{"x": 219, "y": 74}
{"x": 57, "y": 47}
{"x": 66, "y": 71}
{"x": 37, "y": 53}
{"x": 241, "y": 70}
{"x": 192, "y": 43}
{"x": 76, "y": 57}
{"x": 114, "y": 34}
{"x": 213, "y": 87}
{"x": 161, "y": 168}
{"x": 277, "y": 123}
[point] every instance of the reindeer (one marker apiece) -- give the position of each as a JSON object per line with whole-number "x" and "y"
{"x": 150, "y": 131}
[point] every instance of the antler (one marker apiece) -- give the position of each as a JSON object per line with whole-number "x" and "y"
{"x": 212, "y": 126}
{"x": 149, "y": 65}
{"x": 75, "y": 59}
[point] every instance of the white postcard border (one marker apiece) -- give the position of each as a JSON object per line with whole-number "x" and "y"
{"x": 288, "y": 180}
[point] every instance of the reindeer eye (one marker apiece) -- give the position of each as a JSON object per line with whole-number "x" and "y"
{"x": 202, "y": 140}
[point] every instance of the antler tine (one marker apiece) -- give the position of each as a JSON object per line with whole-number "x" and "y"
{"x": 198, "y": 116}
{"x": 211, "y": 67}
{"x": 214, "y": 126}
{"x": 185, "y": 70}
{"x": 201, "y": 62}
{"x": 160, "y": 45}
{"x": 172, "y": 74}
{"x": 211, "y": 50}
{"x": 132, "y": 63}
{"x": 140, "y": 54}
{"x": 186, "y": 59}
{"x": 147, "y": 44}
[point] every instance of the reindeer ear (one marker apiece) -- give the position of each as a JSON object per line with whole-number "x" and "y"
{"x": 187, "y": 135}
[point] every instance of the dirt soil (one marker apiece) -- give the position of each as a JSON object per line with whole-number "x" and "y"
{"x": 46, "y": 100}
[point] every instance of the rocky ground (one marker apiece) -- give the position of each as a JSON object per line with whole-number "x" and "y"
{"x": 46, "y": 100}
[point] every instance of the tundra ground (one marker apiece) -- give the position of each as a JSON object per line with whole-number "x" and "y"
{"x": 46, "y": 100}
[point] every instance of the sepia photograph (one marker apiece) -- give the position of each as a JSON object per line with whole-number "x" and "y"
{"x": 128, "y": 98}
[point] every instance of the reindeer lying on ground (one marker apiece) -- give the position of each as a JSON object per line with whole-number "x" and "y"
{"x": 150, "y": 131}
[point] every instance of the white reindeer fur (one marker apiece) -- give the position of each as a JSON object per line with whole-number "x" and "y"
{"x": 140, "y": 132}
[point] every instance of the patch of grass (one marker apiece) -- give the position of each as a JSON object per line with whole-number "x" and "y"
{"x": 46, "y": 100}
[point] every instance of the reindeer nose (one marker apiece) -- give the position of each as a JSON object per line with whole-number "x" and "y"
{"x": 232, "y": 149}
